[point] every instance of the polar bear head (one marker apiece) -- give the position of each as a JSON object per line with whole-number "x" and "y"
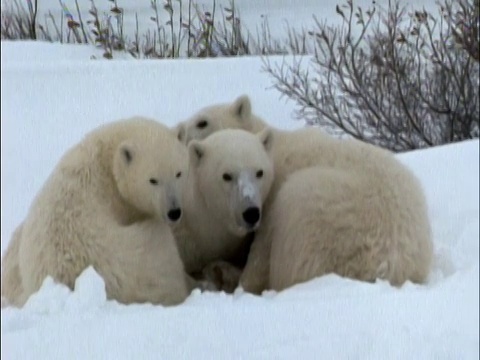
{"x": 236, "y": 115}
{"x": 150, "y": 167}
{"x": 233, "y": 172}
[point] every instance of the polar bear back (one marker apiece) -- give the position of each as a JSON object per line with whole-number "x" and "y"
{"x": 359, "y": 224}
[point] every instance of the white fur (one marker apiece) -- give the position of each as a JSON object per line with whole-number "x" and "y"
{"x": 237, "y": 115}
{"x": 247, "y": 188}
{"x": 212, "y": 227}
{"x": 98, "y": 208}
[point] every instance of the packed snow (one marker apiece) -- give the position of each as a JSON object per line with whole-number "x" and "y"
{"x": 53, "y": 94}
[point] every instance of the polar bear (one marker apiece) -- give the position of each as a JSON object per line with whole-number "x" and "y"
{"x": 374, "y": 168}
{"x": 229, "y": 178}
{"x": 108, "y": 203}
{"x": 365, "y": 218}
{"x": 210, "y": 119}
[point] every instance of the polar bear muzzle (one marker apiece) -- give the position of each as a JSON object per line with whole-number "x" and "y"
{"x": 248, "y": 200}
{"x": 173, "y": 203}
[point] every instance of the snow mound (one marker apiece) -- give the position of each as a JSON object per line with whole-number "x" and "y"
{"x": 89, "y": 294}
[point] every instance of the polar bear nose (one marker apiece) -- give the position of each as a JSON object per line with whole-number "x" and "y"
{"x": 251, "y": 215}
{"x": 174, "y": 214}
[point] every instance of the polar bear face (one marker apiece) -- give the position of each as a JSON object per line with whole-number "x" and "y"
{"x": 237, "y": 115}
{"x": 150, "y": 172}
{"x": 233, "y": 172}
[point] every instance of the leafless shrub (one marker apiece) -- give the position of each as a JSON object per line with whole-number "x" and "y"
{"x": 201, "y": 32}
{"x": 45, "y": 32}
{"x": 218, "y": 38}
{"x": 395, "y": 79}
{"x": 464, "y": 23}
{"x": 17, "y": 22}
{"x": 32, "y": 12}
{"x": 107, "y": 29}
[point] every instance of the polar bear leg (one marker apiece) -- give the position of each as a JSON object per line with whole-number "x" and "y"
{"x": 142, "y": 264}
{"x": 255, "y": 275}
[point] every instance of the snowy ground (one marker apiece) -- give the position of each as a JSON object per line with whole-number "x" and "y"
{"x": 48, "y": 106}
{"x": 53, "y": 94}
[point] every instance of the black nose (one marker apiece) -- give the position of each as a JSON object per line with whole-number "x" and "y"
{"x": 174, "y": 214}
{"x": 251, "y": 215}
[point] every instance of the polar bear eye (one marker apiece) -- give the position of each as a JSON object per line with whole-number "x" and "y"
{"x": 178, "y": 174}
{"x": 259, "y": 174}
{"x": 227, "y": 177}
{"x": 202, "y": 124}
{"x": 153, "y": 181}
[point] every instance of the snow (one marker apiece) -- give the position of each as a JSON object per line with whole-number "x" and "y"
{"x": 53, "y": 94}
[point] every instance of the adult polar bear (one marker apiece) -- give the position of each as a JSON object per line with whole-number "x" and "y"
{"x": 353, "y": 210}
{"x": 107, "y": 204}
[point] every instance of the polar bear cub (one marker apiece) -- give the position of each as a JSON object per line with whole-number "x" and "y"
{"x": 237, "y": 115}
{"x": 230, "y": 176}
{"x": 108, "y": 203}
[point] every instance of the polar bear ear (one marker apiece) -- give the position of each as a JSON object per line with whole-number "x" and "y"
{"x": 181, "y": 132}
{"x": 126, "y": 152}
{"x": 196, "y": 151}
{"x": 266, "y": 138}
{"x": 242, "y": 107}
